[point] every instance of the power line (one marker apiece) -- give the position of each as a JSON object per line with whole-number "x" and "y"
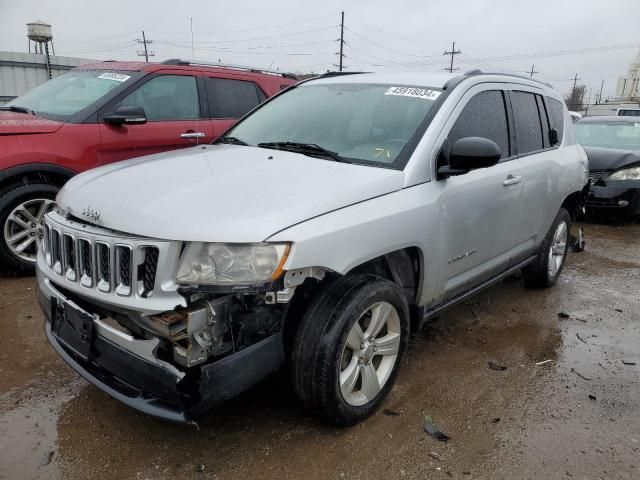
{"x": 249, "y": 29}
{"x": 120, "y": 46}
{"x": 238, "y": 40}
{"x": 392, "y": 34}
{"x": 558, "y": 53}
{"x": 453, "y": 53}
{"x": 245, "y": 52}
{"x": 384, "y": 47}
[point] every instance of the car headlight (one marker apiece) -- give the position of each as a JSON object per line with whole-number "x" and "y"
{"x": 231, "y": 264}
{"x": 626, "y": 174}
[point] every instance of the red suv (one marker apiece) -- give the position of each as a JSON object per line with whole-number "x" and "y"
{"x": 106, "y": 112}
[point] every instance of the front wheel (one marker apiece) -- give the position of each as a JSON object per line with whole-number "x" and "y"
{"x": 22, "y": 210}
{"x": 349, "y": 347}
{"x": 546, "y": 269}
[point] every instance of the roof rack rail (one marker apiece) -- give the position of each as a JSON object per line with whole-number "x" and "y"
{"x": 245, "y": 68}
{"x": 477, "y": 71}
{"x": 338, "y": 74}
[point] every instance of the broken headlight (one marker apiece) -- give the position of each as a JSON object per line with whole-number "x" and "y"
{"x": 626, "y": 174}
{"x": 231, "y": 264}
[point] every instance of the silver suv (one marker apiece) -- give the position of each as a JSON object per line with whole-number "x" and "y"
{"x": 317, "y": 233}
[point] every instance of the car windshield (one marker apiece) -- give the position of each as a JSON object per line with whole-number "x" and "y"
{"x": 622, "y": 135}
{"x": 67, "y": 94}
{"x": 633, "y": 112}
{"x": 360, "y": 123}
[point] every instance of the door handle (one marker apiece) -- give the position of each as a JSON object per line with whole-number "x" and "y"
{"x": 192, "y": 135}
{"x": 512, "y": 180}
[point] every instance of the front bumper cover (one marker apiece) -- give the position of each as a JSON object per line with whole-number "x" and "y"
{"x": 159, "y": 389}
{"x": 606, "y": 198}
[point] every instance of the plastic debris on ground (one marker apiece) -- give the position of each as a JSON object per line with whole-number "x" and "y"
{"x": 433, "y": 430}
{"x": 493, "y": 365}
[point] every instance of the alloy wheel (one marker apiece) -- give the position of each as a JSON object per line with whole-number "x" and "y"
{"x": 370, "y": 354}
{"x": 23, "y": 228}
{"x": 558, "y": 249}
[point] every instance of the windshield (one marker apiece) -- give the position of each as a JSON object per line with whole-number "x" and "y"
{"x": 67, "y": 94}
{"x": 623, "y": 112}
{"x": 622, "y": 135}
{"x": 363, "y": 123}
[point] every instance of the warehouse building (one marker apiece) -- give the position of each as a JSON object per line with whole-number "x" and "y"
{"x": 20, "y": 72}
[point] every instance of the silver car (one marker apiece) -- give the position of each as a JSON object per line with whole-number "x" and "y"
{"x": 317, "y": 232}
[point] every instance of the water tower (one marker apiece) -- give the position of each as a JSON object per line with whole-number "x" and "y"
{"x": 40, "y": 34}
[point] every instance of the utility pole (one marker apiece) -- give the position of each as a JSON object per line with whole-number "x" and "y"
{"x": 145, "y": 53}
{"x": 573, "y": 91}
{"x": 341, "y": 39}
{"x": 600, "y": 95}
{"x": 452, "y": 53}
{"x": 532, "y": 72}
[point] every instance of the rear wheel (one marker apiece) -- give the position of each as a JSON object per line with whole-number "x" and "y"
{"x": 546, "y": 269}
{"x": 22, "y": 210}
{"x": 349, "y": 347}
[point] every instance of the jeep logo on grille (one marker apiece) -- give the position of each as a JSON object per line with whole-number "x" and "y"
{"x": 91, "y": 213}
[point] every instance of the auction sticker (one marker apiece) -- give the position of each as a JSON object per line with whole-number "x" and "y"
{"x": 118, "y": 77}
{"x": 413, "y": 92}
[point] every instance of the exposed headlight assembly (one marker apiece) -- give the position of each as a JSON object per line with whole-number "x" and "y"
{"x": 626, "y": 174}
{"x": 231, "y": 264}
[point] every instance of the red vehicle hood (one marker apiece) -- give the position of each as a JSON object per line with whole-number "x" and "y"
{"x": 15, "y": 123}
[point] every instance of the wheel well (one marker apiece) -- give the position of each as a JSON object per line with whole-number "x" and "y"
{"x": 36, "y": 176}
{"x": 403, "y": 267}
{"x": 574, "y": 202}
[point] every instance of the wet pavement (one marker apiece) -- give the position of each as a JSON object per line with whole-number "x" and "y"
{"x": 567, "y": 406}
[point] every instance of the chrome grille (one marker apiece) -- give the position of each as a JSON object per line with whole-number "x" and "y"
{"x": 103, "y": 260}
{"x": 594, "y": 175}
{"x": 85, "y": 264}
{"x": 69, "y": 257}
{"x": 56, "y": 252}
{"x": 91, "y": 258}
{"x": 149, "y": 268}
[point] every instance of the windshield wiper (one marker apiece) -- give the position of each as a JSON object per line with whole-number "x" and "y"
{"x": 310, "y": 149}
{"x": 231, "y": 140}
{"x": 16, "y": 108}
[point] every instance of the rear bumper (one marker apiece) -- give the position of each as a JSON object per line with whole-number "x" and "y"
{"x": 612, "y": 199}
{"x": 155, "y": 387}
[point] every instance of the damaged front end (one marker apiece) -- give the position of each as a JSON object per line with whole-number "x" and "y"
{"x": 176, "y": 364}
{"x": 115, "y": 314}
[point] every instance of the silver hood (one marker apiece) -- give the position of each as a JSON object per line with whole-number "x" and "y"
{"x": 221, "y": 193}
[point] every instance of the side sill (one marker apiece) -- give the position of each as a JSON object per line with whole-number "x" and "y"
{"x": 477, "y": 289}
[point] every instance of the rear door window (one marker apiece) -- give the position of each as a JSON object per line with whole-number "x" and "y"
{"x": 230, "y": 98}
{"x": 166, "y": 97}
{"x": 527, "y": 120}
{"x": 556, "y": 115}
{"x": 484, "y": 116}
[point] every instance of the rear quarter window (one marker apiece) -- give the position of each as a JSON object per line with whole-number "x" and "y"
{"x": 230, "y": 98}
{"x": 556, "y": 116}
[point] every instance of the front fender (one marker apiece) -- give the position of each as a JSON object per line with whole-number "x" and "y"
{"x": 343, "y": 239}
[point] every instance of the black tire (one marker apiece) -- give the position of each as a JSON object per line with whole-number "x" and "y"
{"x": 321, "y": 337}
{"x": 536, "y": 274}
{"x": 10, "y": 199}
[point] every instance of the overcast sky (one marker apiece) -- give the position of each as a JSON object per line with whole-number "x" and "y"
{"x": 302, "y": 36}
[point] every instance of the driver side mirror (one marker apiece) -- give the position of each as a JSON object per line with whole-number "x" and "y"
{"x": 470, "y": 153}
{"x": 126, "y": 115}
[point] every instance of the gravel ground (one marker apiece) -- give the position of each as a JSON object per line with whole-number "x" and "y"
{"x": 573, "y": 416}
